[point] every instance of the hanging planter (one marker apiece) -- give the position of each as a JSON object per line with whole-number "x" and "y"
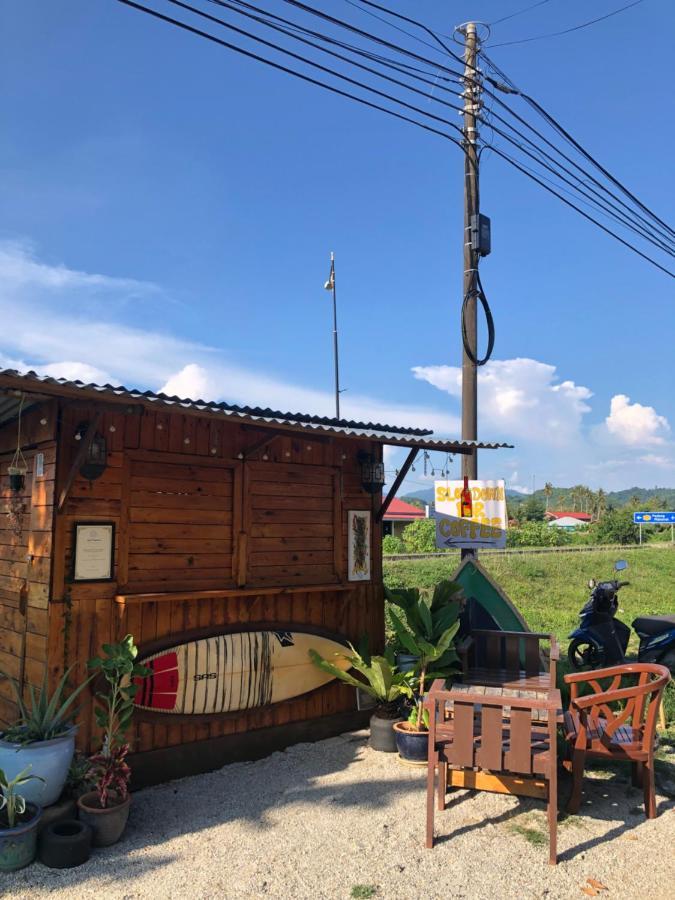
{"x": 18, "y": 467}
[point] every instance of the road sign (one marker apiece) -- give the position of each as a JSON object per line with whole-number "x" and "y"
{"x": 654, "y": 518}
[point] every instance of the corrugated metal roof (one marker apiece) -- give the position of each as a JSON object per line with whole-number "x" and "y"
{"x": 389, "y": 434}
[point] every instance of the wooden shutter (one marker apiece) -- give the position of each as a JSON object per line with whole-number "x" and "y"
{"x": 293, "y": 519}
{"x": 179, "y": 525}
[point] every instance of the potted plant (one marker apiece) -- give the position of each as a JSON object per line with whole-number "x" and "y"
{"x": 429, "y": 638}
{"x": 42, "y": 739}
{"x": 382, "y": 682}
{"x": 445, "y": 607}
{"x": 106, "y": 808}
{"x": 19, "y": 820}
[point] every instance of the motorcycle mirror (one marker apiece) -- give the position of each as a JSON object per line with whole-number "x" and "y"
{"x": 620, "y": 565}
{"x": 591, "y": 583}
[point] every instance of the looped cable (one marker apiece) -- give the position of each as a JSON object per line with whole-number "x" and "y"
{"x": 480, "y": 294}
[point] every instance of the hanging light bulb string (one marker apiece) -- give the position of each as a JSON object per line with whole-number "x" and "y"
{"x": 19, "y": 460}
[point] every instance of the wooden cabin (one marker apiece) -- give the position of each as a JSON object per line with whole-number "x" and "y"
{"x": 207, "y": 519}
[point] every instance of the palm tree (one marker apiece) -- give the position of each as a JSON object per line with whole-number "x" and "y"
{"x": 600, "y": 503}
{"x": 548, "y": 490}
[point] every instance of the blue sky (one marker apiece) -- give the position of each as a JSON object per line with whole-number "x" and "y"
{"x": 168, "y": 210}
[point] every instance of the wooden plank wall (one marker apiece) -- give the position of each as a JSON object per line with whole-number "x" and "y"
{"x": 25, "y": 556}
{"x": 292, "y": 537}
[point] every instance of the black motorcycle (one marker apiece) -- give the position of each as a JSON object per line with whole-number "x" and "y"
{"x": 601, "y": 639}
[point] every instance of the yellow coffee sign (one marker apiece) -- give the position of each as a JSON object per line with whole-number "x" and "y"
{"x": 487, "y": 525}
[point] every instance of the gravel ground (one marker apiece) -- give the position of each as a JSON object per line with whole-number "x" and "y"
{"x": 318, "y": 820}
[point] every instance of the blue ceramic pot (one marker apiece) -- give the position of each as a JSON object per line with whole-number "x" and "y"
{"x": 48, "y": 759}
{"x": 411, "y": 745}
{"x": 18, "y": 845}
{"x": 406, "y": 662}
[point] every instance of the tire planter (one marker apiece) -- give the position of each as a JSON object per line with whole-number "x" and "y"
{"x": 107, "y": 825}
{"x": 65, "y": 844}
{"x": 18, "y": 844}
{"x": 382, "y": 734}
{"x": 48, "y": 759}
{"x": 412, "y": 745}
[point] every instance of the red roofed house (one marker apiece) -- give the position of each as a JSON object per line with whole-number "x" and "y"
{"x": 399, "y": 515}
{"x": 567, "y": 520}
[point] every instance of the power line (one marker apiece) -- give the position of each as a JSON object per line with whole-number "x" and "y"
{"x": 282, "y": 68}
{"x": 185, "y": 26}
{"x": 518, "y": 13}
{"x": 515, "y": 90}
{"x": 317, "y": 65}
{"x": 541, "y": 37}
{"x": 580, "y": 211}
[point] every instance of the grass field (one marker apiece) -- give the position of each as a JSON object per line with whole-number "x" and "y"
{"x": 549, "y": 589}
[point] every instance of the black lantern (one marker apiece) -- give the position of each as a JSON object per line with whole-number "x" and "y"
{"x": 96, "y": 459}
{"x": 372, "y": 473}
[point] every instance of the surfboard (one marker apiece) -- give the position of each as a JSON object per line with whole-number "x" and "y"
{"x": 229, "y": 672}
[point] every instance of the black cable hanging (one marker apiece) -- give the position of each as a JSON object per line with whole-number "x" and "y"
{"x": 478, "y": 292}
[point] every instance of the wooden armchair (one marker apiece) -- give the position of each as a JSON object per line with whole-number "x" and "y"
{"x": 626, "y": 732}
{"x": 493, "y": 743}
{"x": 509, "y": 658}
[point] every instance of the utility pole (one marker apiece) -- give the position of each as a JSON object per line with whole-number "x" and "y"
{"x": 472, "y": 104}
{"x": 330, "y": 286}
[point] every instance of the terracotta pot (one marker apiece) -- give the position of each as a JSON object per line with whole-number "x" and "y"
{"x": 412, "y": 745}
{"x": 107, "y": 825}
{"x": 18, "y": 845}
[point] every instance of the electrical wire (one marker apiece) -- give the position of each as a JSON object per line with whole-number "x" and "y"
{"x": 297, "y": 56}
{"x": 513, "y": 89}
{"x": 477, "y": 291}
{"x": 541, "y": 37}
{"x": 517, "y": 13}
{"x": 368, "y": 103}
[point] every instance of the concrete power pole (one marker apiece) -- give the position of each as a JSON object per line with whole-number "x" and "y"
{"x": 472, "y": 102}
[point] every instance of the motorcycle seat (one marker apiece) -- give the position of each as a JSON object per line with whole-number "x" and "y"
{"x": 652, "y": 625}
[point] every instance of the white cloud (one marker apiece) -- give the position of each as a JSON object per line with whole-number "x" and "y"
{"x": 19, "y": 268}
{"x": 52, "y": 339}
{"x": 635, "y": 425}
{"x": 519, "y": 397}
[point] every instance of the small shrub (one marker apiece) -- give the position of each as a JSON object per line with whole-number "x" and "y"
{"x": 392, "y": 544}
{"x": 537, "y": 534}
{"x": 420, "y": 536}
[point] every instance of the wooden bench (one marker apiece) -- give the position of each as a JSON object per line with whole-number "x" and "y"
{"x": 513, "y": 659}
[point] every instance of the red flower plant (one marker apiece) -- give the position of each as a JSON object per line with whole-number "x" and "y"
{"x": 111, "y": 773}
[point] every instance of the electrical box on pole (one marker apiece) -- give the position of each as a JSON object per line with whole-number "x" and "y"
{"x": 481, "y": 239}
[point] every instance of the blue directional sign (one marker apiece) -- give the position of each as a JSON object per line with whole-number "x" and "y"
{"x": 654, "y": 518}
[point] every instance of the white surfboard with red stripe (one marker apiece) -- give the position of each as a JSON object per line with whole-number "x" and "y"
{"x": 229, "y": 672}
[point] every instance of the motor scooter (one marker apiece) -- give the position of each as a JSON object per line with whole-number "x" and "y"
{"x": 601, "y": 639}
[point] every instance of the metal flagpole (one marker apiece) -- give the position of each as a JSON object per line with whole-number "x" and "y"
{"x": 330, "y": 286}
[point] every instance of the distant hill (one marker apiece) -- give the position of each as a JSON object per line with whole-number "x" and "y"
{"x": 562, "y": 498}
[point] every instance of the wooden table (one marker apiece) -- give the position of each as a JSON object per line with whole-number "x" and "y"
{"x": 506, "y": 684}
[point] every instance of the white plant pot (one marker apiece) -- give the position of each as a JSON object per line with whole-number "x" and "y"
{"x": 48, "y": 759}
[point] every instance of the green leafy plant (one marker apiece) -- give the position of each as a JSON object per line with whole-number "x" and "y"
{"x": 115, "y": 707}
{"x": 426, "y": 627}
{"x": 12, "y": 802}
{"x": 363, "y": 891}
{"x": 380, "y": 679}
{"x": 44, "y": 718}
{"x": 114, "y": 710}
{"x": 79, "y": 779}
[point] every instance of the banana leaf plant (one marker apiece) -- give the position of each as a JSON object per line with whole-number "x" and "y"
{"x": 426, "y": 627}
{"x": 429, "y": 617}
{"x": 380, "y": 678}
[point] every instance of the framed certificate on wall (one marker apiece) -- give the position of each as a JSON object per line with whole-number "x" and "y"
{"x": 93, "y": 551}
